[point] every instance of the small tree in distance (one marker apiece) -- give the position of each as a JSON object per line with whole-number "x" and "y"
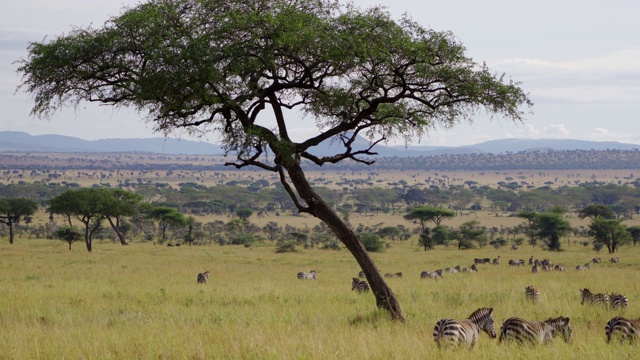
{"x": 13, "y": 210}
{"x": 68, "y": 234}
{"x": 241, "y": 69}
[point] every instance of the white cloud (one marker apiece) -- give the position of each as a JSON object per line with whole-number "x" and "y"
{"x": 613, "y": 77}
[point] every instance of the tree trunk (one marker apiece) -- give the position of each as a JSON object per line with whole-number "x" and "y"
{"x": 116, "y": 228}
{"x": 87, "y": 238}
{"x": 10, "y": 223}
{"x": 316, "y": 206}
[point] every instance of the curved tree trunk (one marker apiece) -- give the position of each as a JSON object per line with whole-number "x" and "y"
{"x": 116, "y": 228}
{"x": 316, "y": 206}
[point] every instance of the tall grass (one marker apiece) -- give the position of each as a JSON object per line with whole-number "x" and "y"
{"x": 142, "y": 301}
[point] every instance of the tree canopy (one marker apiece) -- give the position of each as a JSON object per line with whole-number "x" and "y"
{"x": 424, "y": 214}
{"x": 241, "y": 69}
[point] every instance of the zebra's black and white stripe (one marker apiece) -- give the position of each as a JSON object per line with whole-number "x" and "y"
{"x": 456, "y": 332}
{"x": 535, "y": 332}
{"x": 307, "y": 275}
{"x": 623, "y": 329}
{"x": 203, "y": 277}
{"x": 532, "y": 294}
{"x": 618, "y": 301}
{"x": 594, "y": 299}
{"x": 432, "y": 275}
{"x": 360, "y": 285}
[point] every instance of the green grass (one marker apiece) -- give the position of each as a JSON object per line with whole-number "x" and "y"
{"x": 142, "y": 301}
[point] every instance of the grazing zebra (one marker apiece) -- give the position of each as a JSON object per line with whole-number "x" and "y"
{"x": 307, "y": 275}
{"x": 474, "y": 267}
{"x": 594, "y": 299}
{"x": 535, "y": 332}
{"x": 450, "y": 270}
{"x": 596, "y": 260}
{"x": 496, "y": 261}
{"x": 532, "y": 294}
{"x": 361, "y": 275}
{"x": 614, "y": 260}
{"x": 559, "y": 267}
{"x": 360, "y": 285}
{"x": 203, "y": 277}
{"x": 389, "y": 275}
{"x": 432, "y": 275}
{"x": 535, "y": 269}
{"x": 456, "y": 332}
{"x": 623, "y": 329}
{"x": 618, "y": 301}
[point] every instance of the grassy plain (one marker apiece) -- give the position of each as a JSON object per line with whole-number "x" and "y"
{"x": 142, "y": 302}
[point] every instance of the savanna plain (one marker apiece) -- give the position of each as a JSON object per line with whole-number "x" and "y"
{"x": 142, "y": 301}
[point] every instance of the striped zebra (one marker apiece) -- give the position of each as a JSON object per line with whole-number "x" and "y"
{"x": 535, "y": 332}
{"x": 203, "y": 277}
{"x": 360, "y": 285}
{"x": 618, "y": 301}
{"x": 431, "y": 275}
{"x": 532, "y": 294}
{"x": 307, "y": 275}
{"x": 614, "y": 260}
{"x": 622, "y": 329}
{"x": 594, "y": 299}
{"x": 456, "y": 332}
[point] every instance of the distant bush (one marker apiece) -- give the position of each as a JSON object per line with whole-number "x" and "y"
{"x": 372, "y": 242}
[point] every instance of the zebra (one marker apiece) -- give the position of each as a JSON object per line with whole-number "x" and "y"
{"x": 535, "y": 269}
{"x": 559, "y": 267}
{"x": 307, "y": 275}
{"x": 451, "y": 270}
{"x": 618, "y": 301}
{"x": 623, "y": 329}
{"x": 203, "y": 277}
{"x": 614, "y": 260}
{"x": 432, "y": 275}
{"x": 594, "y": 299}
{"x": 596, "y": 260}
{"x": 396, "y": 275}
{"x": 456, "y": 332}
{"x": 531, "y": 260}
{"x": 361, "y": 275}
{"x": 496, "y": 261}
{"x": 532, "y": 294}
{"x": 535, "y": 332}
{"x": 474, "y": 267}
{"x": 360, "y": 285}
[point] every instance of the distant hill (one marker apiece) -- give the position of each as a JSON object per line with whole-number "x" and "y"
{"x": 24, "y": 142}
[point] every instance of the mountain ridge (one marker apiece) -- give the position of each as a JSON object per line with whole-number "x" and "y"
{"x": 24, "y": 142}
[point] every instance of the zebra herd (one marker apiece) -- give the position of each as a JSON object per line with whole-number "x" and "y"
{"x": 466, "y": 332}
{"x": 515, "y": 329}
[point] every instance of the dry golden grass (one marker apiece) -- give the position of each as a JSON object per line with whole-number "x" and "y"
{"x": 142, "y": 302}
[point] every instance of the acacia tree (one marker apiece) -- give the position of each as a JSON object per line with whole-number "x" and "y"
{"x": 167, "y": 216}
{"x": 609, "y": 232}
{"x": 424, "y": 214}
{"x": 248, "y": 69}
{"x": 550, "y": 227}
{"x": 14, "y": 209}
{"x": 119, "y": 204}
{"x": 86, "y": 205}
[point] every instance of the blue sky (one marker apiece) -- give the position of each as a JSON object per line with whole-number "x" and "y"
{"x": 578, "y": 59}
